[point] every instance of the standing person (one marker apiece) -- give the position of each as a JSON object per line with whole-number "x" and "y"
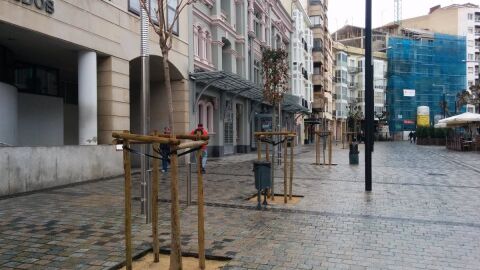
{"x": 410, "y": 136}
{"x": 164, "y": 151}
{"x": 201, "y": 131}
{"x": 414, "y": 136}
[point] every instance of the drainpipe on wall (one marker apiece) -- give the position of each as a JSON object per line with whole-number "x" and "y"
{"x": 145, "y": 112}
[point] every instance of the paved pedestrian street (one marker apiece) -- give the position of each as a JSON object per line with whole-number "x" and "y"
{"x": 423, "y": 213}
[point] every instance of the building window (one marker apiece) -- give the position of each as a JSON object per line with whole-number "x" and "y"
{"x": 317, "y": 68}
{"x": 470, "y": 30}
{"x": 470, "y": 16}
{"x": 171, "y": 10}
{"x": 256, "y": 72}
{"x": 205, "y": 114}
{"x": 257, "y": 26}
{"x": 209, "y": 117}
{"x": 470, "y": 56}
{"x": 315, "y": 2}
{"x": 470, "y": 70}
{"x": 317, "y": 45}
{"x": 37, "y": 79}
{"x": 360, "y": 65}
{"x": 134, "y": 6}
{"x": 316, "y": 21}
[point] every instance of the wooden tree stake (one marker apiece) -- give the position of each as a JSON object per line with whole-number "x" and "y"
{"x": 176, "y": 249}
{"x": 154, "y": 196}
{"x": 201, "y": 217}
{"x": 292, "y": 143}
{"x": 259, "y": 150}
{"x": 267, "y": 157}
{"x": 128, "y": 205}
{"x": 285, "y": 171}
{"x": 330, "y": 149}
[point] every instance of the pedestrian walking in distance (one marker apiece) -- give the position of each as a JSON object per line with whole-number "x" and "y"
{"x": 410, "y": 136}
{"x": 203, "y": 132}
{"x": 414, "y": 136}
{"x": 165, "y": 151}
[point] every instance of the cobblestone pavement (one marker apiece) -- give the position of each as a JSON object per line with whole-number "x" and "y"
{"x": 422, "y": 214}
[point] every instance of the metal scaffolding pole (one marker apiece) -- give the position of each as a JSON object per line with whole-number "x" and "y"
{"x": 145, "y": 113}
{"x": 369, "y": 110}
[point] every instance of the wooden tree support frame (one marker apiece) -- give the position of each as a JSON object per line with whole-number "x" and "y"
{"x": 319, "y": 135}
{"x": 287, "y": 167}
{"x": 126, "y": 138}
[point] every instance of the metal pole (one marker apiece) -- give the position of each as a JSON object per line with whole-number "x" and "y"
{"x": 145, "y": 113}
{"x": 368, "y": 96}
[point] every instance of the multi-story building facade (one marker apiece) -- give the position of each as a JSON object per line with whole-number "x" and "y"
{"x": 322, "y": 56}
{"x": 225, "y": 69}
{"x": 70, "y": 75}
{"x": 301, "y": 60}
{"x": 424, "y": 69}
{"x": 460, "y": 20}
{"x": 350, "y": 83}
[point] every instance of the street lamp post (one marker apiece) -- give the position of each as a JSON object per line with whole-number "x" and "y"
{"x": 369, "y": 118}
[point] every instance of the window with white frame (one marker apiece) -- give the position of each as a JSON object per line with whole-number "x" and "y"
{"x": 470, "y": 16}
{"x": 316, "y": 21}
{"x": 205, "y": 115}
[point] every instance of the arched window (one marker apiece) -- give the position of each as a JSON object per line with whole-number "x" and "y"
{"x": 205, "y": 115}
{"x": 200, "y": 112}
{"x": 209, "y": 117}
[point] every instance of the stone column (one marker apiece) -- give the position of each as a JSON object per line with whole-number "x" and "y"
{"x": 113, "y": 97}
{"x": 87, "y": 98}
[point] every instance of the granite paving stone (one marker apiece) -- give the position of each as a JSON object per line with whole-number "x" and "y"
{"x": 422, "y": 214}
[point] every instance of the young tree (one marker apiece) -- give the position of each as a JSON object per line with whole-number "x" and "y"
{"x": 475, "y": 96}
{"x": 275, "y": 84}
{"x": 463, "y": 98}
{"x": 163, "y": 25}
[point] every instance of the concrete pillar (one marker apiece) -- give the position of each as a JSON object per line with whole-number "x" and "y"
{"x": 113, "y": 97}
{"x": 87, "y": 98}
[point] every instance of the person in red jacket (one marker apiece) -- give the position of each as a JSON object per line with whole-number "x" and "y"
{"x": 201, "y": 131}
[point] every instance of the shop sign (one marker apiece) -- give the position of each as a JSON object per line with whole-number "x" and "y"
{"x": 408, "y": 92}
{"x": 408, "y": 122}
{"x": 44, "y": 5}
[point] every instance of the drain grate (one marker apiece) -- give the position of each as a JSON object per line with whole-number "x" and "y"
{"x": 436, "y": 174}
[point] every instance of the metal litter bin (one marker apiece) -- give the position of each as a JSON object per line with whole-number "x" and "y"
{"x": 262, "y": 172}
{"x": 353, "y": 154}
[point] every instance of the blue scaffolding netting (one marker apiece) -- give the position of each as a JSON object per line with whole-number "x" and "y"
{"x": 434, "y": 67}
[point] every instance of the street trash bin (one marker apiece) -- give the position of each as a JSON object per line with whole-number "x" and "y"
{"x": 262, "y": 172}
{"x": 353, "y": 154}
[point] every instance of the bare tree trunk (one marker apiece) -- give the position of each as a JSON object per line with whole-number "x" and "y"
{"x": 168, "y": 88}
{"x": 176, "y": 249}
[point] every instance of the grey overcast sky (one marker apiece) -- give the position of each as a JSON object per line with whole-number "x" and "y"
{"x": 341, "y": 12}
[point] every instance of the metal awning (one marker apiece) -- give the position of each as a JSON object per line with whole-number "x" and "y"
{"x": 292, "y": 104}
{"x": 236, "y": 85}
{"x": 229, "y": 82}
